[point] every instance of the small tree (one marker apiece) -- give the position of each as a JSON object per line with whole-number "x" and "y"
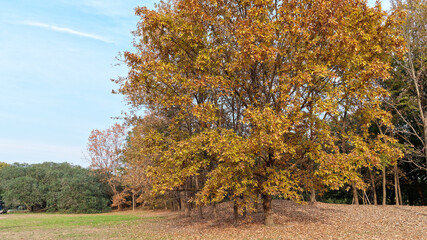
{"x": 105, "y": 153}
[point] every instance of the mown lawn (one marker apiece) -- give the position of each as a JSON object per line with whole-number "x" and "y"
{"x": 77, "y": 226}
{"x": 32, "y": 221}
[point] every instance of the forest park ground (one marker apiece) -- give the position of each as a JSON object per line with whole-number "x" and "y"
{"x": 293, "y": 221}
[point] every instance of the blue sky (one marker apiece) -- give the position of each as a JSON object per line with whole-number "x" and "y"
{"x": 56, "y": 61}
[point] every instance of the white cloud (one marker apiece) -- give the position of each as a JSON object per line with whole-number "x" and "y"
{"x": 65, "y": 30}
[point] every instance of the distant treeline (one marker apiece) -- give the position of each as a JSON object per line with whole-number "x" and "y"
{"x": 53, "y": 187}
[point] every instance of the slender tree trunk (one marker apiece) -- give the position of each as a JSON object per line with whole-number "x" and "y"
{"x": 188, "y": 209}
{"x": 396, "y": 192}
{"x": 425, "y": 139}
{"x": 268, "y": 213}
{"x": 133, "y": 201}
{"x": 313, "y": 190}
{"x": 374, "y": 190}
{"x": 355, "y": 194}
{"x": 364, "y": 197}
{"x": 244, "y": 207}
{"x": 398, "y": 189}
{"x": 182, "y": 202}
{"x": 196, "y": 179}
{"x": 384, "y": 187}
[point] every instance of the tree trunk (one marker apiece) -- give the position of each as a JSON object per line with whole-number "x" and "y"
{"x": 355, "y": 194}
{"x": 374, "y": 191}
{"x": 214, "y": 213}
{"x": 256, "y": 202}
{"x": 313, "y": 190}
{"x": 133, "y": 201}
{"x": 182, "y": 202}
{"x": 27, "y": 207}
{"x": 366, "y": 197}
{"x": 384, "y": 188}
{"x": 188, "y": 209}
{"x": 268, "y": 213}
{"x": 398, "y": 189}
{"x": 236, "y": 213}
{"x": 425, "y": 139}
{"x": 200, "y": 212}
{"x": 363, "y": 197}
{"x": 396, "y": 192}
{"x": 313, "y": 195}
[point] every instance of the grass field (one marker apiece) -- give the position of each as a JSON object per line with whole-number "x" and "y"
{"x": 78, "y": 226}
{"x": 318, "y": 221}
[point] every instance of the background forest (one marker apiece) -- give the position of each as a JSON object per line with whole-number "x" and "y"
{"x": 250, "y": 101}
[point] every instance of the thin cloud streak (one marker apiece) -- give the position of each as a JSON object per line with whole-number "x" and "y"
{"x": 65, "y": 30}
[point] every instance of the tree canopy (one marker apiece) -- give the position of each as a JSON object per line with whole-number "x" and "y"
{"x": 258, "y": 95}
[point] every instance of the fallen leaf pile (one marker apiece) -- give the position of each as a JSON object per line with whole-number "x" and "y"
{"x": 294, "y": 221}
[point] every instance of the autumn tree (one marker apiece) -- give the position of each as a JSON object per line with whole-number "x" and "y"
{"x": 251, "y": 88}
{"x": 105, "y": 152}
{"x": 136, "y": 161}
{"x": 142, "y": 151}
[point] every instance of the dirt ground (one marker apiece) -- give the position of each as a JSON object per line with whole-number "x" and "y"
{"x": 293, "y": 221}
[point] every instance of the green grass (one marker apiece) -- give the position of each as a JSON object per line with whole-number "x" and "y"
{"x": 119, "y": 225}
{"x": 63, "y": 221}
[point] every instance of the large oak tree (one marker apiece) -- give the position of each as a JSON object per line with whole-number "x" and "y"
{"x": 254, "y": 92}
